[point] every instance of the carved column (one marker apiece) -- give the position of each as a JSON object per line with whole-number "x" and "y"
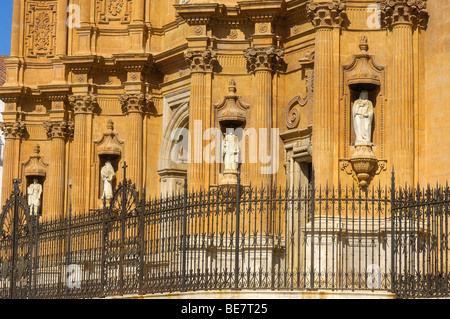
{"x": 83, "y": 107}
{"x": 57, "y": 132}
{"x": 402, "y": 16}
{"x": 262, "y": 62}
{"x": 201, "y": 63}
{"x": 133, "y": 107}
{"x": 325, "y": 16}
{"x": 13, "y": 132}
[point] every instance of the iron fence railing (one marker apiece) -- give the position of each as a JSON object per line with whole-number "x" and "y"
{"x": 233, "y": 237}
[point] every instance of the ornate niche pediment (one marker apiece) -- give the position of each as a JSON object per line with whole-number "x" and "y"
{"x": 362, "y": 71}
{"x": 110, "y": 145}
{"x": 35, "y": 165}
{"x": 231, "y": 112}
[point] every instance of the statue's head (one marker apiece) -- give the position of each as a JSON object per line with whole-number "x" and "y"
{"x": 35, "y": 180}
{"x": 364, "y": 95}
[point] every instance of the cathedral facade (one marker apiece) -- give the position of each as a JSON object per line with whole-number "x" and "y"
{"x": 274, "y": 91}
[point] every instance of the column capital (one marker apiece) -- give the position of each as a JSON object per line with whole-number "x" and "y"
{"x": 13, "y": 130}
{"x": 59, "y": 129}
{"x": 263, "y": 59}
{"x": 82, "y": 104}
{"x": 134, "y": 103}
{"x": 326, "y": 14}
{"x": 201, "y": 60}
{"x": 404, "y": 12}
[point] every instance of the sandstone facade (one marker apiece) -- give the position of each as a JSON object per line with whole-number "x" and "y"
{"x": 90, "y": 81}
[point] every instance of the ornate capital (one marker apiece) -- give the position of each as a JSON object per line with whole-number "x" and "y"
{"x": 59, "y": 129}
{"x": 13, "y": 130}
{"x": 82, "y": 103}
{"x": 326, "y": 14}
{"x": 134, "y": 103}
{"x": 263, "y": 58}
{"x": 410, "y": 12}
{"x": 201, "y": 60}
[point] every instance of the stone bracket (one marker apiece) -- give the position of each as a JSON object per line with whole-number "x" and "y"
{"x": 363, "y": 177}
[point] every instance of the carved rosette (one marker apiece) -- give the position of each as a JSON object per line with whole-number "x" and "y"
{"x": 268, "y": 58}
{"x": 13, "y": 130}
{"x": 59, "y": 129}
{"x": 411, "y": 12}
{"x": 83, "y": 103}
{"x": 134, "y": 103}
{"x": 201, "y": 60}
{"x": 326, "y": 14}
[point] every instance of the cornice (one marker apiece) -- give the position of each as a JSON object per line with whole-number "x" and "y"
{"x": 200, "y": 13}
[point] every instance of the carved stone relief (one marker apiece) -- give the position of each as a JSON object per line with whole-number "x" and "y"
{"x": 40, "y": 35}
{"x": 113, "y": 10}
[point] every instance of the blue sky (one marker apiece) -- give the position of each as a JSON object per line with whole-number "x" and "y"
{"x": 5, "y": 26}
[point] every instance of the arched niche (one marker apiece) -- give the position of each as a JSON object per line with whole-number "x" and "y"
{"x": 172, "y": 166}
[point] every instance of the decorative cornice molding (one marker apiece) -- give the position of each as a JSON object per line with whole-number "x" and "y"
{"x": 401, "y": 12}
{"x": 201, "y": 60}
{"x": 326, "y": 14}
{"x": 267, "y": 58}
{"x": 199, "y": 13}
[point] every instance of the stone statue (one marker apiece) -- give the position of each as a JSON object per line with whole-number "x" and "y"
{"x": 107, "y": 174}
{"x": 362, "y": 119}
{"x": 231, "y": 153}
{"x": 34, "y": 192}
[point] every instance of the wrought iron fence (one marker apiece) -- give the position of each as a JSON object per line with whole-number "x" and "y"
{"x": 234, "y": 237}
{"x": 421, "y": 227}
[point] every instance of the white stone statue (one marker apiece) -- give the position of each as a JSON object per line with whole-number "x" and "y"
{"x": 34, "y": 192}
{"x": 362, "y": 119}
{"x": 107, "y": 174}
{"x": 231, "y": 153}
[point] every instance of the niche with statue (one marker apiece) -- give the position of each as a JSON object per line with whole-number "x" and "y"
{"x": 109, "y": 152}
{"x": 364, "y": 82}
{"x": 35, "y": 174}
{"x": 231, "y": 114}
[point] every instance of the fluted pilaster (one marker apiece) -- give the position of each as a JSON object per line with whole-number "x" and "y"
{"x": 57, "y": 132}
{"x": 325, "y": 16}
{"x": 201, "y": 63}
{"x": 13, "y": 132}
{"x": 402, "y": 17}
{"x": 262, "y": 62}
{"x": 83, "y": 107}
{"x": 134, "y": 107}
